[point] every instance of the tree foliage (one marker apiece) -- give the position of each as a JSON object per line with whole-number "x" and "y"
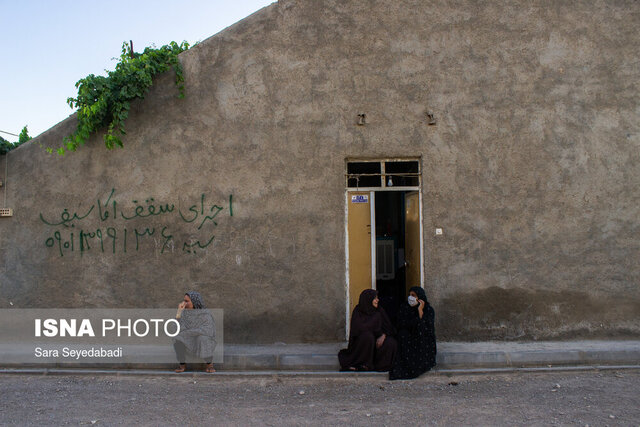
{"x": 23, "y": 137}
{"x": 6, "y": 146}
{"x": 104, "y": 102}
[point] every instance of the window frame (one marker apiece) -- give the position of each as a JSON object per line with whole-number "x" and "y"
{"x": 383, "y": 174}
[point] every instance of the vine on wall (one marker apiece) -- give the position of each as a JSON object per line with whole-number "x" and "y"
{"x": 104, "y": 102}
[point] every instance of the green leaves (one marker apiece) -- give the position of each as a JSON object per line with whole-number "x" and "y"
{"x": 104, "y": 102}
{"x": 6, "y": 146}
{"x": 23, "y": 137}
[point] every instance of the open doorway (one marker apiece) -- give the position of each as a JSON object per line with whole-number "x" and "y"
{"x": 397, "y": 220}
{"x": 390, "y": 250}
{"x": 384, "y": 235}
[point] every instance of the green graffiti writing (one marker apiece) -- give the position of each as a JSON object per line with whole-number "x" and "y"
{"x": 116, "y": 239}
{"x": 146, "y": 231}
{"x": 195, "y": 211}
{"x": 151, "y": 210}
{"x": 146, "y": 210}
{"x": 104, "y": 216}
{"x": 66, "y": 218}
{"x": 211, "y": 217}
{"x": 190, "y": 247}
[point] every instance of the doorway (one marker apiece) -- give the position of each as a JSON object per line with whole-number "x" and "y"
{"x": 384, "y": 231}
{"x": 397, "y": 247}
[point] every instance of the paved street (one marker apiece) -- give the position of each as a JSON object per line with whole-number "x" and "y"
{"x": 595, "y": 398}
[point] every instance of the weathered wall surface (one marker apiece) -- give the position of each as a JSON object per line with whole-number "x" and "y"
{"x": 532, "y": 172}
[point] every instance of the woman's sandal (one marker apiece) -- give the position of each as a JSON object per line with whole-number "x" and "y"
{"x": 181, "y": 368}
{"x": 209, "y": 369}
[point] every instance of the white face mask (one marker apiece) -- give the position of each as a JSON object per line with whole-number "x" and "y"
{"x": 413, "y": 301}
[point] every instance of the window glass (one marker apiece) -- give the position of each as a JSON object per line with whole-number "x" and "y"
{"x": 363, "y": 174}
{"x": 401, "y": 167}
{"x": 402, "y": 174}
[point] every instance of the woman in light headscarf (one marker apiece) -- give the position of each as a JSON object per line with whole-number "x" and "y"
{"x": 197, "y": 331}
{"x": 371, "y": 343}
{"x": 416, "y": 337}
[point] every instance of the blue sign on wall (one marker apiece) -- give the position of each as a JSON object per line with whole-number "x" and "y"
{"x": 360, "y": 198}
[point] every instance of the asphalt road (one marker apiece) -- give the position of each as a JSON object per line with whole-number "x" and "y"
{"x": 595, "y": 398}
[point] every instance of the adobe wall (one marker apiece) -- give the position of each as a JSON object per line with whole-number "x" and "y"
{"x": 531, "y": 171}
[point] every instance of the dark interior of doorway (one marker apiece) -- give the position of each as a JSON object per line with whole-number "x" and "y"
{"x": 390, "y": 249}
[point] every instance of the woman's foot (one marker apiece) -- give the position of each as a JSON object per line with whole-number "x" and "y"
{"x": 181, "y": 368}
{"x": 209, "y": 369}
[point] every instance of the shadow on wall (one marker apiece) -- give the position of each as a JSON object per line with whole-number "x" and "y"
{"x": 521, "y": 314}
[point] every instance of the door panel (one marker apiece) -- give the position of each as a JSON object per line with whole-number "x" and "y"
{"x": 359, "y": 228}
{"x": 412, "y": 239}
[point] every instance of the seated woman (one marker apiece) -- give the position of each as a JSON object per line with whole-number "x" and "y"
{"x": 416, "y": 337}
{"x": 371, "y": 343}
{"x": 197, "y": 331}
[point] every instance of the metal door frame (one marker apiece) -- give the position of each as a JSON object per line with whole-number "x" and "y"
{"x": 372, "y": 191}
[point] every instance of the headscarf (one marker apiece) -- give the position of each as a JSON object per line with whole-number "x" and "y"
{"x": 365, "y": 303}
{"x": 367, "y": 318}
{"x": 420, "y": 293}
{"x": 196, "y": 299}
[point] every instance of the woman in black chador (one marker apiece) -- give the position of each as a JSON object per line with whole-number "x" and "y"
{"x": 416, "y": 337}
{"x": 371, "y": 343}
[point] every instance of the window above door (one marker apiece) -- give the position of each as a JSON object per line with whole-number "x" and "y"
{"x": 385, "y": 173}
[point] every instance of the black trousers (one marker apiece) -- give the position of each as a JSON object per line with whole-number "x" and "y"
{"x": 181, "y": 353}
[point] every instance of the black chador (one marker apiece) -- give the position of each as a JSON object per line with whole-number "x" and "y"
{"x": 372, "y": 346}
{"x": 416, "y": 340}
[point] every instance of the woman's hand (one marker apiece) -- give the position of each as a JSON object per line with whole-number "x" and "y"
{"x": 181, "y": 307}
{"x": 420, "y": 308}
{"x": 380, "y": 340}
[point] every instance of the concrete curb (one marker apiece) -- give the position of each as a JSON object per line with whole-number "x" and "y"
{"x": 452, "y": 357}
{"x": 455, "y": 356}
{"x": 293, "y": 374}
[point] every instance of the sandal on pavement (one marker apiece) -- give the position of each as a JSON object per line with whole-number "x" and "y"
{"x": 181, "y": 368}
{"x": 209, "y": 368}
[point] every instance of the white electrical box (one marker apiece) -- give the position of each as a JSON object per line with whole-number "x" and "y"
{"x": 385, "y": 265}
{"x": 6, "y": 212}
